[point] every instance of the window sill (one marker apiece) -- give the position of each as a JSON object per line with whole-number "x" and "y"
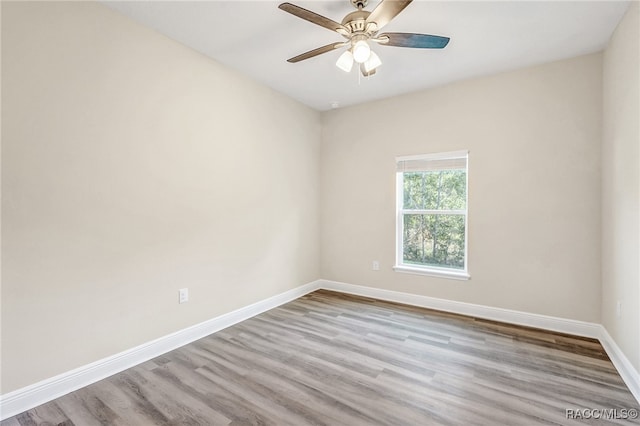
{"x": 432, "y": 272}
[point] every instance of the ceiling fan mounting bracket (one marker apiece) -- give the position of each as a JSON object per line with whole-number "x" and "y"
{"x": 359, "y": 4}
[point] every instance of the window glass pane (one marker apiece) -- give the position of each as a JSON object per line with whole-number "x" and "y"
{"x": 435, "y": 190}
{"x": 434, "y": 240}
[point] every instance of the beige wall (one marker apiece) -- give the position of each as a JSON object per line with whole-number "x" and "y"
{"x": 621, "y": 186}
{"x": 133, "y": 167}
{"x": 534, "y": 187}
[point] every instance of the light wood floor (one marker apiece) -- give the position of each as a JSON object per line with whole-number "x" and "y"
{"x": 333, "y": 359}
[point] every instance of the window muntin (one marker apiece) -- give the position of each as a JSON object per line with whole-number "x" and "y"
{"x": 432, "y": 214}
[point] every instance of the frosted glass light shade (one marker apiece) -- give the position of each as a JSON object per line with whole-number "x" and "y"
{"x": 345, "y": 61}
{"x": 372, "y": 63}
{"x": 361, "y": 51}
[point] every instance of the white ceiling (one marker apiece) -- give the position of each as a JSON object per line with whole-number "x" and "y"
{"x": 256, "y": 38}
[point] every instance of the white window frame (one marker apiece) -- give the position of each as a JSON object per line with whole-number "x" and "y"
{"x": 433, "y": 271}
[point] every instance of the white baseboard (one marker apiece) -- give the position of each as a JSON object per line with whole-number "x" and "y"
{"x": 39, "y": 393}
{"x": 628, "y": 373}
{"x": 562, "y": 325}
{"x": 579, "y": 328}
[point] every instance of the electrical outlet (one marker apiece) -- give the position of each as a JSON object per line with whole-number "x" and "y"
{"x": 376, "y": 265}
{"x": 618, "y": 308}
{"x": 183, "y": 295}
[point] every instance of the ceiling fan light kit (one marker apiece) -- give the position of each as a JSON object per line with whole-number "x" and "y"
{"x": 345, "y": 61}
{"x": 361, "y": 51}
{"x": 372, "y": 63}
{"x": 360, "y": 28}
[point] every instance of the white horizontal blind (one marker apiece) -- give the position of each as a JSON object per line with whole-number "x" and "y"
{"x": 425, "y": 163}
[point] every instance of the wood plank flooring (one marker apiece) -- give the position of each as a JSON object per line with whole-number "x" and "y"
{"x": 334, "y": 359}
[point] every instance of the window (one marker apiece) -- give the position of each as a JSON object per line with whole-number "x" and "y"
{"x": 432, "y": 214}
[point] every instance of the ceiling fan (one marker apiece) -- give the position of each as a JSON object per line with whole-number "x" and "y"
{"x": 361, "y": 27}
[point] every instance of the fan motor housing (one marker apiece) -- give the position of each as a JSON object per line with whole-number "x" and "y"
{"x": 356, "y": 21}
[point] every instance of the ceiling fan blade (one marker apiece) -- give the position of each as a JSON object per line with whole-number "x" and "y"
{"x": 364, "y": 71}
{"x": 315, "y": 52}
{"x": 386, "y": 11}
{"x": 313, "y": 17}
{"x": 420, "y": 41}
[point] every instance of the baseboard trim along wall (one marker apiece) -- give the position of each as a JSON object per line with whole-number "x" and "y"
{"x": 628, "y": 373}
{"x": 31, "y": 396}
{"x": 578, "y": 328}
{"x": 39, "y": 393}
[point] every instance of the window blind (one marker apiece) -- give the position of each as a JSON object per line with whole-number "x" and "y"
{"x": 427, "y": 163}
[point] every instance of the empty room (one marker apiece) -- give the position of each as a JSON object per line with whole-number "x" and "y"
{"x": 341, "y": 212}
